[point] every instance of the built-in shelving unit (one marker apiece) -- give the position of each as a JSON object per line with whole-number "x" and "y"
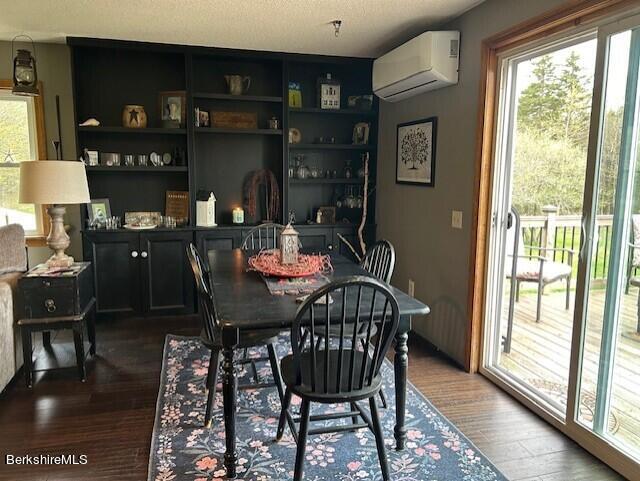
{"x": 326, "y": 181}
{"x": 218, "y": 130}
{"x": 137, "y": 168}
{"x": 237, "y": 98}
{"x": 329, "y": 147}
{"x": 129, "y": 131}
{"x": 315, "y": 110}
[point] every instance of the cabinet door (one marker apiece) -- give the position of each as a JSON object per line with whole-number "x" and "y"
{"x": 218, "y": 239}
{"x": 166, "y": 273}
{"x": 116, "y": 271}
{"x": 315, "y": 238}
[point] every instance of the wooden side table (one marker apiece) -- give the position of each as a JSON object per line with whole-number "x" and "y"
{"x": 53, "y": 302}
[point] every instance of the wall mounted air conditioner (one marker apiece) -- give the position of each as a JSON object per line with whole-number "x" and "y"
{"x": 427, "y": 62}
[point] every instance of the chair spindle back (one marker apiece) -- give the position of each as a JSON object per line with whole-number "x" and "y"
{"x": 204, "y": 287}
{"x": 263, "y": 236}
{"x": 380, "y": 260}
{"x": 360, "y": 300}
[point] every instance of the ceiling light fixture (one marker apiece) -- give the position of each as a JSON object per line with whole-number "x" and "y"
{"x": 336, "y": 26}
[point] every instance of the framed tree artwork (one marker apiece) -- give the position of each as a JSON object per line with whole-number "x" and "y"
{"x": 416, "y": 152}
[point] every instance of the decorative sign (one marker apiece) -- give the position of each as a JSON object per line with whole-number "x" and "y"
{"x": 177, "y": 206}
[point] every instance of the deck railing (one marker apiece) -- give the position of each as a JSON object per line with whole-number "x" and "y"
{"x": 551, "y": 230}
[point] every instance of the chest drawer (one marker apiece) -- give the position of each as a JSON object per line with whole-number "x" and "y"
{"x": 50, "y": 302}
{"x": 46, "y": 296}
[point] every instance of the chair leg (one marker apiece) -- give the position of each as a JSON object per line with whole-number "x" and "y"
{"x": 377, "y": 431}
{"x": 383, "y": 399}
{"x": 638, "y": 326}
{"x": 254, "y": 370}
{"x": 354, "y": 419}
{"x": 275, "y": 369}
{"x": 539, "y": 304}
{"x": 517, "y": 291}
{"x": 302, "y": 440}
{"x": 212, "y": 382}
{"x": 283, "y": 414}
{"x": 568, "y": 299}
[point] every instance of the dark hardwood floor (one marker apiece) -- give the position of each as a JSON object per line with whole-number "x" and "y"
{"x": 109, "y": 418}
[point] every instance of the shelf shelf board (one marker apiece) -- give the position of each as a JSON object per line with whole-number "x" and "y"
{"x": 218, "y": 130}
{"x": 124, "y": 130}
{"x": 326, "y": 181}
{"x": 136, "y": 168}
{"x": 241, "y": 98}
{"x": 330, "y": 147}
{"x": 315, "y": 110}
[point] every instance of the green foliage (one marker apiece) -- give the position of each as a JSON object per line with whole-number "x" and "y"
{"x": 14, "y": 146}
{"x": 551, "y": 141}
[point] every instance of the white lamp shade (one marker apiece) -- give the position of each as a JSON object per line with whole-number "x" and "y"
{"x": 53, "y": 182}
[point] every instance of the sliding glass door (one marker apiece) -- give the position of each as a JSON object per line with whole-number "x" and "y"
{"x": 538, "y": 203}
{"x": 562, "y": 304}
{"x": 608, "y": 398}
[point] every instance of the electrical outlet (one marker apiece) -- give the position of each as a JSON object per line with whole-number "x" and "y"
{"x": 412, "y": 288}
{"x": 456, "y": 219}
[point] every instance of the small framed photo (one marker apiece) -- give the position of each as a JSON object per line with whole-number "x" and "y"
{"x": 416, "y": 152}
{"x": 326, "y": 215}
{"x": 90, "y": 157}
{"x": 173, "y": 108}
{"x": 361, "y": 133}
{"x": 203, "y": 118}
{"x": 98, "y": 210}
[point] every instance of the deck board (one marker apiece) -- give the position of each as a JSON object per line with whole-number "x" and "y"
{"x": 540, "y": 355}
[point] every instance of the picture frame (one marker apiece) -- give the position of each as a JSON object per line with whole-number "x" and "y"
{"x": 326, "y": 215}
{"x": 173, "y": 108}
{"x": 98, "y": 211}
{"x": 203, "y": 118}
{"x": 361, "y": 133}
{"x": 416, "y": 152}
{"x": 90, "y": 157}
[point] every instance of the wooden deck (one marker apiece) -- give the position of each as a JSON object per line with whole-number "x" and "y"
{"x": 540, "y": 356}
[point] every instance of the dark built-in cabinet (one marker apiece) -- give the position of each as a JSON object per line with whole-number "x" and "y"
{"x": 141, "y": 273}
{"x": 107, "y": 75}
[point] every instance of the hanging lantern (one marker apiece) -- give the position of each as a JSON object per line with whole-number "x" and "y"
{"x": 289, "y": 245}
{"x": 25, "y": 76}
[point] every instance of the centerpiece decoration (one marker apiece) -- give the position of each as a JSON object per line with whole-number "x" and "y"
{"x": 287, "y": 261}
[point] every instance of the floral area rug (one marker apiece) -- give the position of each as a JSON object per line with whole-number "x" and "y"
{"x": 183, "y": 450}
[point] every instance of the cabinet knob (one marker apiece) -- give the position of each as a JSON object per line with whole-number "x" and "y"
{"x": 330, "y": 247}
{"x": 144, "y": 254}
{"x": 50, "y": 305}
{"x": 134, "y": 254}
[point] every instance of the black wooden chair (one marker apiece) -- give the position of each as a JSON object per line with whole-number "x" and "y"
{"x": 211, "y": 337}
{"x": 263, "y": 236}
{"x": 379, "y": 261}
{"x": 346, "y": 374}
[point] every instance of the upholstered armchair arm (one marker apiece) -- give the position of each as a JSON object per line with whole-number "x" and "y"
{"x": 570, "y": 252}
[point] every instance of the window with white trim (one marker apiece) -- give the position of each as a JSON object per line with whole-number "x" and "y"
{"x": 18, "y": 142}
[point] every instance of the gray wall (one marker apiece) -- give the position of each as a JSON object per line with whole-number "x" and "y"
{"x": 54, "y": 70}
{"x": 418, "y": 219}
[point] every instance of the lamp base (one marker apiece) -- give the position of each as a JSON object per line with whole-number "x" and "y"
{"x": 59, "y": 261}
{"x": 58, "y": 240}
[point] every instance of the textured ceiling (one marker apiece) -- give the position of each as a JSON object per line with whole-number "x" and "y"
{"x": 369, "y": 27}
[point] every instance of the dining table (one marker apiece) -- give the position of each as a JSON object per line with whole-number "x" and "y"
{"x": 243, "y": 302}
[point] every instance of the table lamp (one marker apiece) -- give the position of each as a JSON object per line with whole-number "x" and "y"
{"x": 54, "y": 182}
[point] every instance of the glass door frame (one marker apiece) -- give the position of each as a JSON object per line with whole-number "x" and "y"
{"x": 500, "y": 196}
{"x": 597, "y": 444}
{"x": 603, "y": 446}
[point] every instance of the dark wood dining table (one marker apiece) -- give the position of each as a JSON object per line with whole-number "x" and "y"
{"x": 243, "y": 302}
